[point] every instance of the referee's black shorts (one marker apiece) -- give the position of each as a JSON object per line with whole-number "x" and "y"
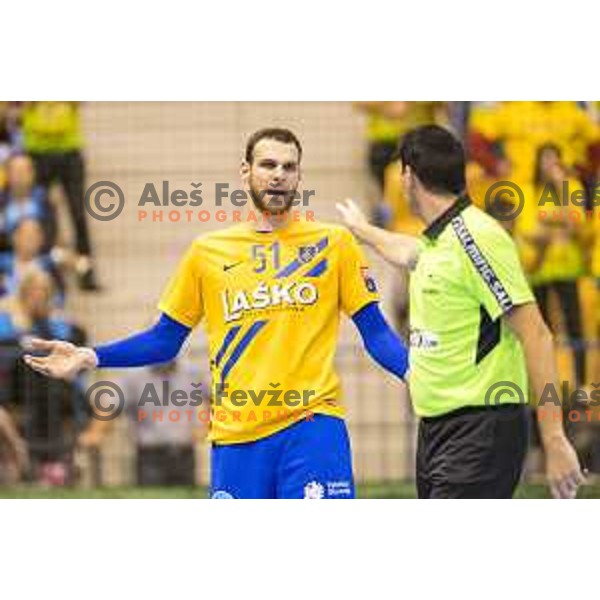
{"x": 473, "y": 452}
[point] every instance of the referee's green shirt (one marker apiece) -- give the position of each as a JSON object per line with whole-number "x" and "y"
{"x": 467, "y": 276}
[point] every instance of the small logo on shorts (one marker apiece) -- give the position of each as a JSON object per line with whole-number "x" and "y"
{"x": 339, "y": 488}
{"x": 221, "y": 495}
{"x": 314, "y": 491}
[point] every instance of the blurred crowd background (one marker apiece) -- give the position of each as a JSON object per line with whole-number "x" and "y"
{"x": 64, "y": 275}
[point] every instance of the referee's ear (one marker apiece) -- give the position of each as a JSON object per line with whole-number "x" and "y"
{"x": 407, "y": 175}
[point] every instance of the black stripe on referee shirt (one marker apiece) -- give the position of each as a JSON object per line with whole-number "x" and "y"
{"x": 489, "y": 335}
{"x": 481, "y": 264}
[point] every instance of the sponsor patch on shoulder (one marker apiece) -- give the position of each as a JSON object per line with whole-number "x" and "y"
{"x": 368, "y": 279}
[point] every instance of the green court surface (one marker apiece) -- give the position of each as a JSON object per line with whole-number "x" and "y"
{"x": 392, "y": 490}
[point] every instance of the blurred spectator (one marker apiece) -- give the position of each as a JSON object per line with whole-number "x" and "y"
{"x": 49, "y": 413}
{"x": 25, "y": 200}
{"x": 387, "y": 122}
{"x": 52, "y": 136}
{"x": 595, "y": 252}
{"x": 515, "y": 131}
{"x": 531, "y": 249}
{"x": 6, "y": 137}
{"x": 9, "y": 137}
{"x": 164, "y": 433}
{"x": 27, "y": 241}
{"x": 459, "y": 113}
{"x": 13, "y": 451}
{"x": 595, "y": 269}
{"x": 557, "y": 239}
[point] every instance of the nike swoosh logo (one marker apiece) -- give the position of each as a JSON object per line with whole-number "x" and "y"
{"x": 231, "y": 266}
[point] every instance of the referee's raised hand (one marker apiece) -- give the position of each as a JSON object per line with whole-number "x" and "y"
{"x": 562, "y": 468}
{"x": 398, "y": 249}
{"x": 352, "y": 216}
{"x": 63, "y": 360}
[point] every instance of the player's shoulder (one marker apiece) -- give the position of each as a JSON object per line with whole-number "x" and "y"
{"x": 334, "y": 231}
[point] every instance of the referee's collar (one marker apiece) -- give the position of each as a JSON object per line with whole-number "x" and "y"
{"x": 436, "y": 227}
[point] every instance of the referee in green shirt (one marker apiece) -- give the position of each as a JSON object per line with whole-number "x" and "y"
{"x": 477, "y": 338}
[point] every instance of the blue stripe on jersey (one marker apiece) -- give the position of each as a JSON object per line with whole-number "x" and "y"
{"x": 239, "y": 349}
{"x": 229, "y": 337}
{"x": 318, "y": 269}
{"x": 297, "y": 263}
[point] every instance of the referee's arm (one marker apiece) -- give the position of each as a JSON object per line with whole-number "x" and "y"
{"x": 397, "y": 248}
{"x": 562, "y": 466}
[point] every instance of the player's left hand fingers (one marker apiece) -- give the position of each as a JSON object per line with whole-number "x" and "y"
{"x": 40, "y": 344}
{"x": 37, "y": 364}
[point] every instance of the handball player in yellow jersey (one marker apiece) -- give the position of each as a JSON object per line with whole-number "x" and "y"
{"x": 270, "y": 293}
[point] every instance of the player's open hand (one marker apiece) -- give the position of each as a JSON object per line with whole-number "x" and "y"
{"x": 63, "y": 361}
{"x": 352, "y": 216}
{"x": 563, "y": 469}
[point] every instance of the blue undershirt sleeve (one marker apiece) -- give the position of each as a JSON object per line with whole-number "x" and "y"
{"x": 382, "y": 343}
{"x": 161, "y": 343}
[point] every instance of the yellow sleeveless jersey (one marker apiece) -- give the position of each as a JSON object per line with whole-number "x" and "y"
{"x": 271, "y": 305}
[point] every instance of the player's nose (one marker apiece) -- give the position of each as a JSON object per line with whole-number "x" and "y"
{"x": 279, "y": 174}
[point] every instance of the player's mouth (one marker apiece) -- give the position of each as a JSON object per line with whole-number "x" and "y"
{"x": 277, "y": 196}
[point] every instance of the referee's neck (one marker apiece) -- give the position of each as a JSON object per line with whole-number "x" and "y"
{"x": 433, "y": 206}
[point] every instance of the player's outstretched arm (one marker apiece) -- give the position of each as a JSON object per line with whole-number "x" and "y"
{"x": 63, "y": 360}
{"x": 161, "y": 343}
{"x": 562, "y": 465}
{"x": 398, "y": 249}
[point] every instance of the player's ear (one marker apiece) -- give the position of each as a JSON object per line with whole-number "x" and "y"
{"x": 245, "y": 172}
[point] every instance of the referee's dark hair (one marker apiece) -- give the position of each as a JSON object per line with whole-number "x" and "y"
{"x": 272, "y": 133}
{"x": 436, "y": 157}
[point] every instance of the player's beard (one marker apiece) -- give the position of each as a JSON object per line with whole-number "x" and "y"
{"x": 275, "y": 205}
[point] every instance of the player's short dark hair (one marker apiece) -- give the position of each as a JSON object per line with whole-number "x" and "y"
{"x": 436, "y": 157}
{"x": 272, "y": 133}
